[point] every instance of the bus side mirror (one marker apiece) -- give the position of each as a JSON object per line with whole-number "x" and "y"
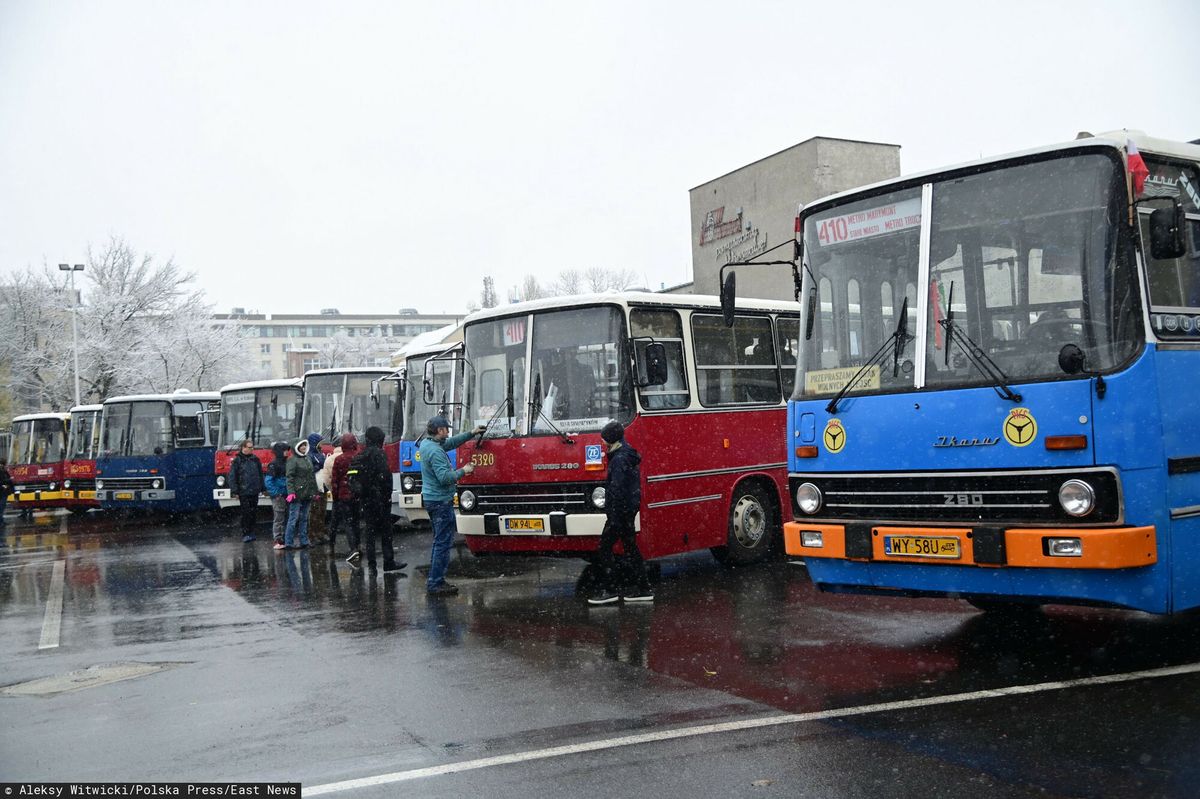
{"x": 1071, "y": 359}
{"x": 375, "y": 392}
{"x": 1166, "y": 232}
{"x": 728, "y": 297}
{"x": 655, "y": 356}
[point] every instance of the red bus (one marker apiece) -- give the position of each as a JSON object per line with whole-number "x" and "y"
{"x": 36, "y": 459}
{"x": 79, "y": 473}
{"x": 264, "y": 411}
{"x": 703, "y": 403}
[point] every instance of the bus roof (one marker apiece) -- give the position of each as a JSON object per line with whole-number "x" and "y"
{"x": 1112, "y": 140}
{"x": 293, "y": 382}
{"x": 641, "y": 298}
{"x": 86, "y": 408}
{"x": 33, "y": 417}
{"x": 189, "y": 396}
{"x": 343, "y": 370}
{"x": 432, "y": 341}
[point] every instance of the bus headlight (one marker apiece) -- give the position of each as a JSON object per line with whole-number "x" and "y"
{"x": 598, "y": 496}
{"x": 66, "y": 483}
{"x": 53, "y": 486}
{"x": 1077, "y": 497}
{"x": 156, "y": 483}
{"x": 466, "y": 500}
{"x": 808, "y": 497}
{"x": 408, "y": 483}
{"x": 220, "y": 481}
{"x": 99, "y": 484}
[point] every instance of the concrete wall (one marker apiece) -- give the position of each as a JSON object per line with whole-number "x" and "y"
{"x": 749, "y": 210}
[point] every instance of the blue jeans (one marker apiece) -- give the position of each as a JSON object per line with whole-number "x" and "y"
{"x": 441, "y": 518}
{"x": 297, "y": 522}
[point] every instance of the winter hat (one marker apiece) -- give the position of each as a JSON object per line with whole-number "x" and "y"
{"x": 349, "y": 442}
{"x": 436, "y": 423}
{"x": 612, "y": 432}
{"x": 375, "y": 436}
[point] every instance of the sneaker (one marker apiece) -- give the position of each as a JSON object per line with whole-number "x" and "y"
{"x": 394, "y": 567}
{"x": 246, "y": 539}
{"x": 354, "y": 557}
{"x": 603, "y": 598}
{"x": 640, "y": 595}
{"x": 445, "y": 589}
{"x": 280, "y": 546}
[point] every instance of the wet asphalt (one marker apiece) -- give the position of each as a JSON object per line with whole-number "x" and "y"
{"x": 297, "y": 667}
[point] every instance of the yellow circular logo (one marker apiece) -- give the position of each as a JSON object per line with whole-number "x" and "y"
{"x": 1019, "y": 428}
{"x": 835, "y": 436}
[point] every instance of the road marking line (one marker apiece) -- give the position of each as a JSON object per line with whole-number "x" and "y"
{"x": 52, "y": 623}
{"x": 737, "y": 726}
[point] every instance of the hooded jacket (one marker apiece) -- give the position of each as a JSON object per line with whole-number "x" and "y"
{"x": 315, "y": 456}
{"x": 623, "y": 486}
{"x": 373, "y": 474}
{"x": 276, "y": 479}
{"x": 300, "y": 479}
{"x": 341, "y": 468}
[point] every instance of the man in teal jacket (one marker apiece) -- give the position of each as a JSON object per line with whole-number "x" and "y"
{"x": 438, "y": 481}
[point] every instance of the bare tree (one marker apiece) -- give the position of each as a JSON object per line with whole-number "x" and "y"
{"x": 569, "y": 281}
{"x": 531, "y": 289}
{"x": 487, "y": 298}
{"x": 598, "y": 278}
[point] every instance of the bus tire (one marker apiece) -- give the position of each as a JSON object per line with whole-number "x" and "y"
{"x": 751, "y": 527}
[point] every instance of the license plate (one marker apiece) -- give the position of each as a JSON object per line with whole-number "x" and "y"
{"x": 524, "y": 524}
{"x": 123, "y": 495}
{"x": 920, "y": 546}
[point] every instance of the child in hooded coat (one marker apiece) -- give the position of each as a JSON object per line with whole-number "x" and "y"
{"x": 276, "y": 483}
{"x": 316, "y": 509}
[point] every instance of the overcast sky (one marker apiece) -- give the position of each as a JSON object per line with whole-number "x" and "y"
{"x": 372, "y": 156}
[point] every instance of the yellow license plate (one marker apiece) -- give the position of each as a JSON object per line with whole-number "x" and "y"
{"x": 124, "y": 495}
{"x": 921, "y": 546}
{"x": 524, "y": 524}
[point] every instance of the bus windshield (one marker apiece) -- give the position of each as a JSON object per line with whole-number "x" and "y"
{"x": 1023, "y": 259}
{"x": 22, "y": 435}
{"x": 264, "y": 415}
{"x": 578, "y": 379}
{"x": 84, "y": 432}
{"x": 137, "y": 429}
{"x": 49, "y": 441}
{"x": 337, "y": 403}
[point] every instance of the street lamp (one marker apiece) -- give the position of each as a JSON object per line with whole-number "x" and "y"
{"x": 71, "y": 270}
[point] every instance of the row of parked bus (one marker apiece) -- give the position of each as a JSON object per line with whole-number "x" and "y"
{"x": 981, "y": 388}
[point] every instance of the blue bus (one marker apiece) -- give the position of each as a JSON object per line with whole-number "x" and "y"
{"x": 420, "y": 403}
{"x": 995, "y": 381}
{"x": 156, "y": 452}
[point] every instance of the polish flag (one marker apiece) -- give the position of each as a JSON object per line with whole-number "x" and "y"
{"x": 1137, "y": 167}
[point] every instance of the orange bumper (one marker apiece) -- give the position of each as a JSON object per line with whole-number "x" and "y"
{"x": 1108, "y": 548}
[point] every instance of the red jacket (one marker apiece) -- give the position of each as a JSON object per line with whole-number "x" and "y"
{"x": 341, "y": 466}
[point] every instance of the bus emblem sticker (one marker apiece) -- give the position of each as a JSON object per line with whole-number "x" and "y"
{"x": 593, "y": 455}
{"x": 1020, "y": 428}
{"x": 835, "y": 436}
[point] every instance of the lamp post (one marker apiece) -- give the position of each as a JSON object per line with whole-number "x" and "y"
{"x": 71, "y": 270}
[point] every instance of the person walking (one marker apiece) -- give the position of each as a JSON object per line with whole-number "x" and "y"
{"x": 6, "y": 487}
{"x": 345, "y": 507}
{"x": 622, "y": 500}
{"x": 246, "y": 483}
{"x": 276, "y": 483}
{"x": 316, "y": 510}
{"x": 438, "y": 481}
{"x": 370, "y": 481}
{"x": 302, "y": 488}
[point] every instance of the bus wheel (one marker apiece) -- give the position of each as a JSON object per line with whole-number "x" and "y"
{"x": 751, "y": 520}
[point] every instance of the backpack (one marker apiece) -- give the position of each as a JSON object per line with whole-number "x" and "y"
{"x": 355, "y": 479}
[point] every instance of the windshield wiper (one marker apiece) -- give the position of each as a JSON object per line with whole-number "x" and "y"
{"x": 899, "y": 337}
{"x": 975, "y": 354}
{"x": 535, "y": 410}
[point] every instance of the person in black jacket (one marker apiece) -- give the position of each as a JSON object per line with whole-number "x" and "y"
{"x": 246, "y": 483}
{"x": 6, "y": 487}
{"x": 622, "y": 500}
{"x": 370, "y": 482}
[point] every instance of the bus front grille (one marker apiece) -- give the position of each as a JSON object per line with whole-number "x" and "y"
{"x": 998, "y": 497}
{"x": 539, "y": 499}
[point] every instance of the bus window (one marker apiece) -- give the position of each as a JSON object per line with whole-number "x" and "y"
{"x": 854, "y": 319}
{"x": 150, "y": 429}
{"x": 828, "y": 333}
{"x": 887, "y": 311}
{"x": 665, "y": 328}
{"x": 322, "y": 405}
{"x": 578, "y": 366}
{"x": 787, "y": 334}
{"x": 189, "y": 425}
{"x": 83, "y": 435}
{"x": 48, "y": 441}
{"x": 735, "y": 365}
{"x": 278, "y": 412}
{"x": 22, "y": 437}
{"x": 1175, "y": 282}
{"x": 237, "y": 418}
{"x": 497, "y": 352}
